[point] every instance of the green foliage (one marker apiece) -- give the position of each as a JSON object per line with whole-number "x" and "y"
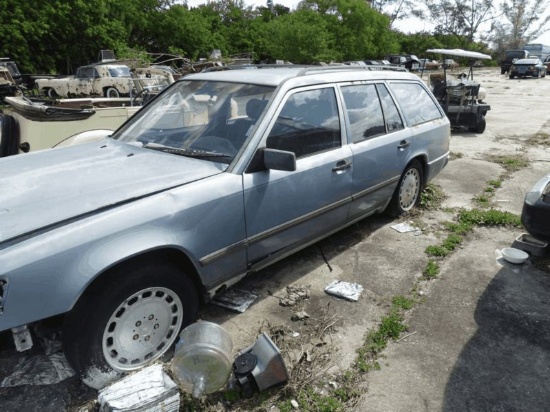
{"x": 431, "y": 197}
{"x": 402, "y": 302}
{"x": 432, "y": 270}
{"x": 491, "y": 217}
{"x": 57, "y": 36}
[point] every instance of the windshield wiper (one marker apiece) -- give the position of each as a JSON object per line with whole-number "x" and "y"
{"x": 201, "y": 154}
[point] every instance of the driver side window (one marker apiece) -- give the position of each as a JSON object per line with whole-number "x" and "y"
{"x": 307, "y": 124}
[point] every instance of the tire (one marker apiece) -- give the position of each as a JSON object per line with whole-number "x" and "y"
{"x": 407, "y": 192}
{"x": 9, "y": 136}
{"x": 127, "y": 321}
{"x": 52, "y": 94}
{"x": 112, "y": 93}
{"x": 480, "y": 126}
{"x": 502, "y": 71}
{"x": 512, "y": 76}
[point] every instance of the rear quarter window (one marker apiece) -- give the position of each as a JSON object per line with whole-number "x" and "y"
{"x": 417, "y": 105}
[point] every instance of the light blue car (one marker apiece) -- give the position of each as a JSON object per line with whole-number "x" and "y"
{"x": 221, "y": 175}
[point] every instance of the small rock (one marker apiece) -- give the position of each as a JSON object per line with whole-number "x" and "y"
{"x": 294, "y": 404}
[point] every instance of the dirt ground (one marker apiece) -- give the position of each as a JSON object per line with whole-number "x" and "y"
{"x": 451, "y": 336}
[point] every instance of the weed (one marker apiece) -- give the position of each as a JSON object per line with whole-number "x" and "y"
{"x": 460, "y": 228}
{"x": 437, "y": 251}
{"x": 455, "y": 155}
{"x": 511, "y": 163}
{"x": 495, "y": 183}
{"x": 431, "y": 271}
{"x": 401, "y": 302}
{"x": 539, "y": 139}
{"x": 431, "y": 197}
{"x": 491, "y": 217}
{"x": 483, "y": 200}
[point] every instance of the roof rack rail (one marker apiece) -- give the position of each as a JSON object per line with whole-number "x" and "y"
{"x": 371, "y": 67}
{"x": 307, "y": 68}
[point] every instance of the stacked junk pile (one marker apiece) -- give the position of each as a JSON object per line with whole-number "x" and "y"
{"x": 201, "y": 365}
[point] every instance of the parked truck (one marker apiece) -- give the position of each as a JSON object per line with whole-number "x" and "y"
{"x": 510, "y": 57}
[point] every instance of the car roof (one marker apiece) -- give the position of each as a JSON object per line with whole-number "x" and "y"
{"x": 271, "y": 76}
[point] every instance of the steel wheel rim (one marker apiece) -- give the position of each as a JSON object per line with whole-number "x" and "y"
{"x": 142, "y": 328}
{"x": 410, "y": 187}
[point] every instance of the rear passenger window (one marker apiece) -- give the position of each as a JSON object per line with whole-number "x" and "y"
{"x": 364, "y": 111}
{"x": 308, "y": 124}
{"x": 415, "y": 102}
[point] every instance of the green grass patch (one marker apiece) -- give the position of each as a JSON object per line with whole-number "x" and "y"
{"x": 431, "y": 270}
{"x": 491, "y": 217}
{"x": 511, "y": 163}
{"x": 483, "y": 200}
{"x": 539, "y": 139}
{"x": 455, "y": 155}
{"x": 431, "y": 197}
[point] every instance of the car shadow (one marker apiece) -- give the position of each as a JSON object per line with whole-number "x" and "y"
{"x": 506, "y": 365}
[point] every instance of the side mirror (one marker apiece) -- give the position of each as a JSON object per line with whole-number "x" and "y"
{"x": 279, "y": 160}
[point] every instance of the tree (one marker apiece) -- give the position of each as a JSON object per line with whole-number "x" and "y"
{"x": 459, "y": 17}
{"x": 394, "y": 9}
{"x": 523, "y": 22}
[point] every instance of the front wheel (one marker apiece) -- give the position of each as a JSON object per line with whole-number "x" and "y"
{"x": 126, "y": 322}
{"x": 112, "y": 93}
{"x": 52, "y": 94}
{"x": 407, "y": 193}
{"x": 479, "y": 127}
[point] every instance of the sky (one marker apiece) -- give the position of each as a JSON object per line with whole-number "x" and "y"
{"x": 406, "y": 26}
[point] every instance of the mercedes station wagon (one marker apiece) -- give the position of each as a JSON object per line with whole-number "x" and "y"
{"x": 220, "y": 175}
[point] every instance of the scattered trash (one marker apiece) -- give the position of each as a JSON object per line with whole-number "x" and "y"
{"x": 148, "y": 390}
{"x": 295, "y": 334}
{"x": 529, "y": 244}
{"x": 405, "y": 227}
{"x": 346, "y": 290}
{"x": 294, "y": 295}
{"x": 260, "y": 366}
{"x": 237, "y": 300}
{"x": 299, "y": 316}
{"x": 515, "y": 256}
{"x": 294, "y": 404}
{"x": 39, "y": 370}
{"x": 202, "y": 361}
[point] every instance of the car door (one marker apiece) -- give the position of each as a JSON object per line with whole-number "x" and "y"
{"x": 287, "y": 210}
{"x": 82, "y": 84}
{"x": 379, "y": 142}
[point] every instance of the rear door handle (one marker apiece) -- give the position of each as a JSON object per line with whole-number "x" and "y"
{"x": 403, "y": 144}
{"x": 341, "y": 165}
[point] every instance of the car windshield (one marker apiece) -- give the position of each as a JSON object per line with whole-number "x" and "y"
{"x": 120, "y": 71}
{"x": 206, "y": 119}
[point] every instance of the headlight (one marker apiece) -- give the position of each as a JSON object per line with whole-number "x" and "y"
{"x": 513, "y": 67}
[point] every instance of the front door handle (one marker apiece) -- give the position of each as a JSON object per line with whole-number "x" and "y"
{"x": 341, "y": 165}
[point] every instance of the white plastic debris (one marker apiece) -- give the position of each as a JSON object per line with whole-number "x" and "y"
{"x": 148, "y": 390}
{"x": 346, "y": 290}
{"x": 404, "y": 228}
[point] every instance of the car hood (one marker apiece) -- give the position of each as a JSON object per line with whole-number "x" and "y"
{"x": 47, "y": 187}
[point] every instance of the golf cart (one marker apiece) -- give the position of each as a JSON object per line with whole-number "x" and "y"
{"x": 460, "y": 96}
